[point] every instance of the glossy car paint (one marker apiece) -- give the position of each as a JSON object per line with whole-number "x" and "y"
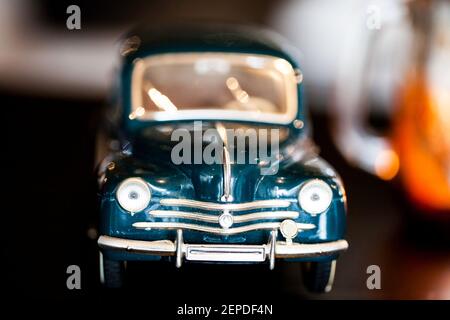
{"x": 149, "y": 159}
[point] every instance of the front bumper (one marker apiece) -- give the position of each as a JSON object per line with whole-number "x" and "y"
{"x": 224, "y": 252}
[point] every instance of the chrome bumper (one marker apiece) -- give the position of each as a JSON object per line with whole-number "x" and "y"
{"x": 223, "y": 252}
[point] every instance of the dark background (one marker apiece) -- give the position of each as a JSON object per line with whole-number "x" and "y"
{"x": 50, "y": 195}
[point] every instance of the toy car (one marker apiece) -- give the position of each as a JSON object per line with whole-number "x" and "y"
{"x": 249, "y": 206}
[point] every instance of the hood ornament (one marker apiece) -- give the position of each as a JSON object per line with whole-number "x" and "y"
{"x": 226, "y": 219}
{"x": 226, "y": 196}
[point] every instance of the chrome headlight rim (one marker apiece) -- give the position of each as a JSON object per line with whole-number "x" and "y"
{"x": 325, "y": 190}
{"x": 145, "y": 188}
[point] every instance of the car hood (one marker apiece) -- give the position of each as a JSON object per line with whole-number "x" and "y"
{"x": 205, "y": 182}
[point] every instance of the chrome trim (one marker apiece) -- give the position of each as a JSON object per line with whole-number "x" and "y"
{"x": 259, "y": 204}
{"x": 226, "y": 176}
{"x": 286, "y": 232}
{"x": 160, "y": 247}
{"x": 184, "y": 215}
{"x": 102, "y": 270}
{"x": 230, "y": 231}
{"x": 282, "y": 249}
{"x": 221, "y": 114}
{"x": 179, "y": 248}
{"x": 330, "y": 282}
{"x": 263, "y": 215}
{"x": 298, "y": 124}
{"x": 225, "y": 253}
{"x": 272, "y": 244}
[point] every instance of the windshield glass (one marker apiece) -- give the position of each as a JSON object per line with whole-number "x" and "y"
{"x": 214, "y": 86}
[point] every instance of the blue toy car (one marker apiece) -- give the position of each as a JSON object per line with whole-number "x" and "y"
{"x": 215, "y": 162}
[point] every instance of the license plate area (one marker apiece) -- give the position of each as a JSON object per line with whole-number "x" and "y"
{"x": 225, "y": 253}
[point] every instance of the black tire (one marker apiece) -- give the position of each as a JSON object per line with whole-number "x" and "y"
{"x": 318, "y": 277}
{"x": 113, "y": 273}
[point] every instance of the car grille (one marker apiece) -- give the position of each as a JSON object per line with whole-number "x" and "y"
{"x": 252, "y": 220}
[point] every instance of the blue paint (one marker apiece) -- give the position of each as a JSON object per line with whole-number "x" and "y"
{"x": 149, "y": 159}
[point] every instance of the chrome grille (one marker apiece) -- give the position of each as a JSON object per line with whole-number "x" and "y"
{"x": 263, "y": 215}
{"x": 214, "y": 218}
{"x": 230, "y": 231}
{"x": 259, "y": 204}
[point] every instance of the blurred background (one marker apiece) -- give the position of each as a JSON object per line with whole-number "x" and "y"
{"x": 377, "y": 77}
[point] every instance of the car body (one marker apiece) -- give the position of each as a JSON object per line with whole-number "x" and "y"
{"x": 226, "y": 211}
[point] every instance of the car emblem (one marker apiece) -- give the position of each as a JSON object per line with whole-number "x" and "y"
{"x": 226, "y": 220}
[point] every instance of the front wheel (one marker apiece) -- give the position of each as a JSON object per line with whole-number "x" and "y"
{"x": 318, "y": 277}
{"x": 112, "y": 272}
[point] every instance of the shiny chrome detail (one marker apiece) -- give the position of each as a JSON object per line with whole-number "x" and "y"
{"x": 231, "y": 231}
{"x": 102, "y": 270}
{"x": 330, "y": 282}
{"x": 259, "y": 204}
{"x": 263, "y": 215}
{"x": 179, "y": 247}
{"x": 226, "y": 176}
{"x": 184, "y": 215}
{"x": 226, "y": 220}
{"x": 298, "y": 124}
{"x": 289, "y": 230}
{"x": 284, "y": 250}
{"x": 161, "y": 247}
{"x": 234, "y": 252}
{"x": 222, "y": 131}
{"x": 272, "y": 244}
{"x": 266, "y": 215}
{"x": 226, "y": 253}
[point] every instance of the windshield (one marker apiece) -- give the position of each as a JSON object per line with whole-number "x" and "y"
{"x": 214, "y": 86}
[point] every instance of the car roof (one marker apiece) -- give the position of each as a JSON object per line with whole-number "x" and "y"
{"x": 145, "y": 41}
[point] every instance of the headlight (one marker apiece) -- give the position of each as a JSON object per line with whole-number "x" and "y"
{"x": 133, "y": 194}
{"x": 315, "y": 196}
